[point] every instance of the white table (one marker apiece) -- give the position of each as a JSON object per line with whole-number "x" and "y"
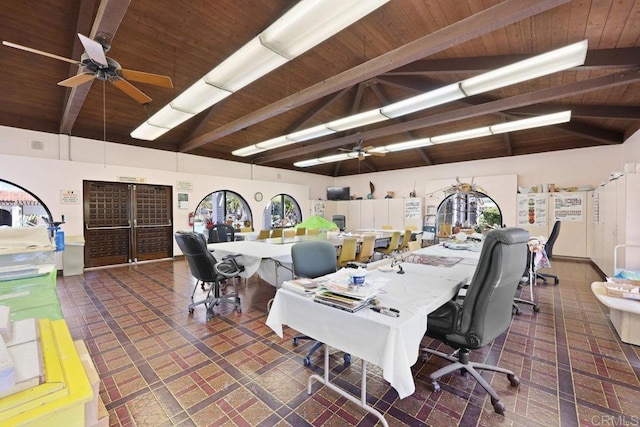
{"x": 624, "y": 313}
{"x": 388, "y": 342}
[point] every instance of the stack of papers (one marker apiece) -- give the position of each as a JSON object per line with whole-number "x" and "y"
{"x": 345, "y": 297}
{"x": 301, "y": 286}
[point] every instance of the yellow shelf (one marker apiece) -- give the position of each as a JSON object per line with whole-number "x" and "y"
{"x": 61, "y": 399}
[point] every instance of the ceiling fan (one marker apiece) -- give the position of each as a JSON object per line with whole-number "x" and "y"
{"x": 361, "y": 151}
{"x": 95, "y": 64}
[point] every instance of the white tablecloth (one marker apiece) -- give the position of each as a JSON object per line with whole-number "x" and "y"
{"x": 258, "y": 257}
{"x": 388, "y": 342}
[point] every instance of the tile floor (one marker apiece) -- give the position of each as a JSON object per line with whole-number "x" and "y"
{"x": 159, "y": 366}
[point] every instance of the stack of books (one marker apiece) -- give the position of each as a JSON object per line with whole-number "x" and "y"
{"x": 345, "y": 297}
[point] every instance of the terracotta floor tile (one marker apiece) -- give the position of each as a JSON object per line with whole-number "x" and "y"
{"x": 161, "y": 366}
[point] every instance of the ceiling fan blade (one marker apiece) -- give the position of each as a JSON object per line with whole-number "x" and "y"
{"x": 150, "y": 78}
{"x": 77, "y": 80}
{"x": 131, "y": 90}
{"x": 373, "y": 153}
{"x": 93, "y": 49}
{"x": 370, "y": 147}
{"x": 39, "y": 52}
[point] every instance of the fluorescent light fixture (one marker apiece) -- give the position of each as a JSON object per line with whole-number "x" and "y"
{"x": 311, "y": 22}
{"x": 198, "y": 97}
{"x": 148, "y": 132}
{"x": 169, "y": 117}
{"x": 279, "y": 141}
{"x": 430, "y": 99}
{"x": 537, "y": 66}
{"x": 248, "y": 151}
{"x": 416, "y": 143}
{"x": 305, "y": 25}
{"x": 459, "y": 136}
{"x": 248, "y": 64}
{"x": 356, "y": 120}
{"x": 310, "y": 133}
{"x": 306, "y": 163}
{"x": 533, "y": 122}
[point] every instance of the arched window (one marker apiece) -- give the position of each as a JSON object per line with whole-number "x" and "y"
{"x": 222, "y": 206}
{"x": 21, "y": 208}
{"x": 282, "y": 211}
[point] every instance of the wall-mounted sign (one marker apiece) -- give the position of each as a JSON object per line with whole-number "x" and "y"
{"x": 69, "y": 197}
{"x": 184, "y": 186}
{"x": 132, "y": 179}
{"x": 183, "y": 201}
{"x": 412, "y": 208}
{"x": 568, "y": 206}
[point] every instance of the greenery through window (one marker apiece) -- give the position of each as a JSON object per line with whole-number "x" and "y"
{"x": 282, "y": 211}
{"x": 222, "y": 207}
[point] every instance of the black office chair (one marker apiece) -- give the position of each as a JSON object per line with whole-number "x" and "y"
{"x": 221, "y": 233}
{"x": 311, "y": 259}
{"x": 484, "y": 313}
{"x": 548, "y": 248}
{"x": 206, "y": 269}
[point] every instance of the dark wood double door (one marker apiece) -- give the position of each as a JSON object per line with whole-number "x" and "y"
{"x": 126, "y": 223}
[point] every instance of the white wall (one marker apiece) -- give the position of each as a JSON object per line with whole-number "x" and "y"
{"x": 63, "y": 162}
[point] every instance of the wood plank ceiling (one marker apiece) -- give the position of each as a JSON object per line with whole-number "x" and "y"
{"x": 404, "y": 48}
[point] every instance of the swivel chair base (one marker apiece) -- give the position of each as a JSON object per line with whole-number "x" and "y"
{"x": 517, "y": 301}
{"x": 545, "y": 276}
{"x": 460, "y": 359}
{"x": 307, "y": 359}
{"x": 213, "y": 298}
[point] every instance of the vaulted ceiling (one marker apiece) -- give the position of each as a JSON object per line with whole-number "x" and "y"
{"x": 404, "y": 48}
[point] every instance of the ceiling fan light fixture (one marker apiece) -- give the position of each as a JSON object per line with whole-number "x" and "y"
{"x": 310, "y": 133}
{"x": 533, "y": 122}
{"x": 149, "y": 132}
{"x": 423, "y": 101}
{"x": 311, "y": 22}
{"x": 560, "y": 59}
{"x": 198, "y": 97}
{"x": 459, "y": 136}
{"x": 356, "y": 120}
{"x": 246, "y": 65}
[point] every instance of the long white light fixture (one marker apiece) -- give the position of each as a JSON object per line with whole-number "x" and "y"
{"x": 560, "y": 59}
{"x": 305, "y": 25}
{"x": 516, "y": 125}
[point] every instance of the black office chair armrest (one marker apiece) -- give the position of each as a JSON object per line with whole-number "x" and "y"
{"x": 445, "y": 318}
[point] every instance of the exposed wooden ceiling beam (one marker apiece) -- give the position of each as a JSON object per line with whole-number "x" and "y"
{"x": 503, "y": 14}
{"x": 492, "y": 107}
{"x": 108, "y": 19}
{"x": 596, "y": 60}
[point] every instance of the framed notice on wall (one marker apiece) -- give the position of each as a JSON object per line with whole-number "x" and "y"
{"x": 568, "y": 207}
{"x": 412, "y": 208}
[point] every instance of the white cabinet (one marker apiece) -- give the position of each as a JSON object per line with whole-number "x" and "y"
{"x": 618, "y": 204}
{"x": 374, "y": 213}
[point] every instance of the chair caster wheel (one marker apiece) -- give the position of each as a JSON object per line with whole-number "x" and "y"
{"x": 555, "y": 282}
{"x": 435, "y": 387}
{"x": 191, "y": 311}
{"x": 513, "y": 380}
{"x": 347, "y": 360}
{"x": 239, "y": 310}
{"x": 307, "y": 361}
{"x": 295, "y": 342}
{"x": 536, "y": 308}
{"x": 497, "y": 406}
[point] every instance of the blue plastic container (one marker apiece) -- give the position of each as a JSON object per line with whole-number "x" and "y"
{"x": 59, "y": 240}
